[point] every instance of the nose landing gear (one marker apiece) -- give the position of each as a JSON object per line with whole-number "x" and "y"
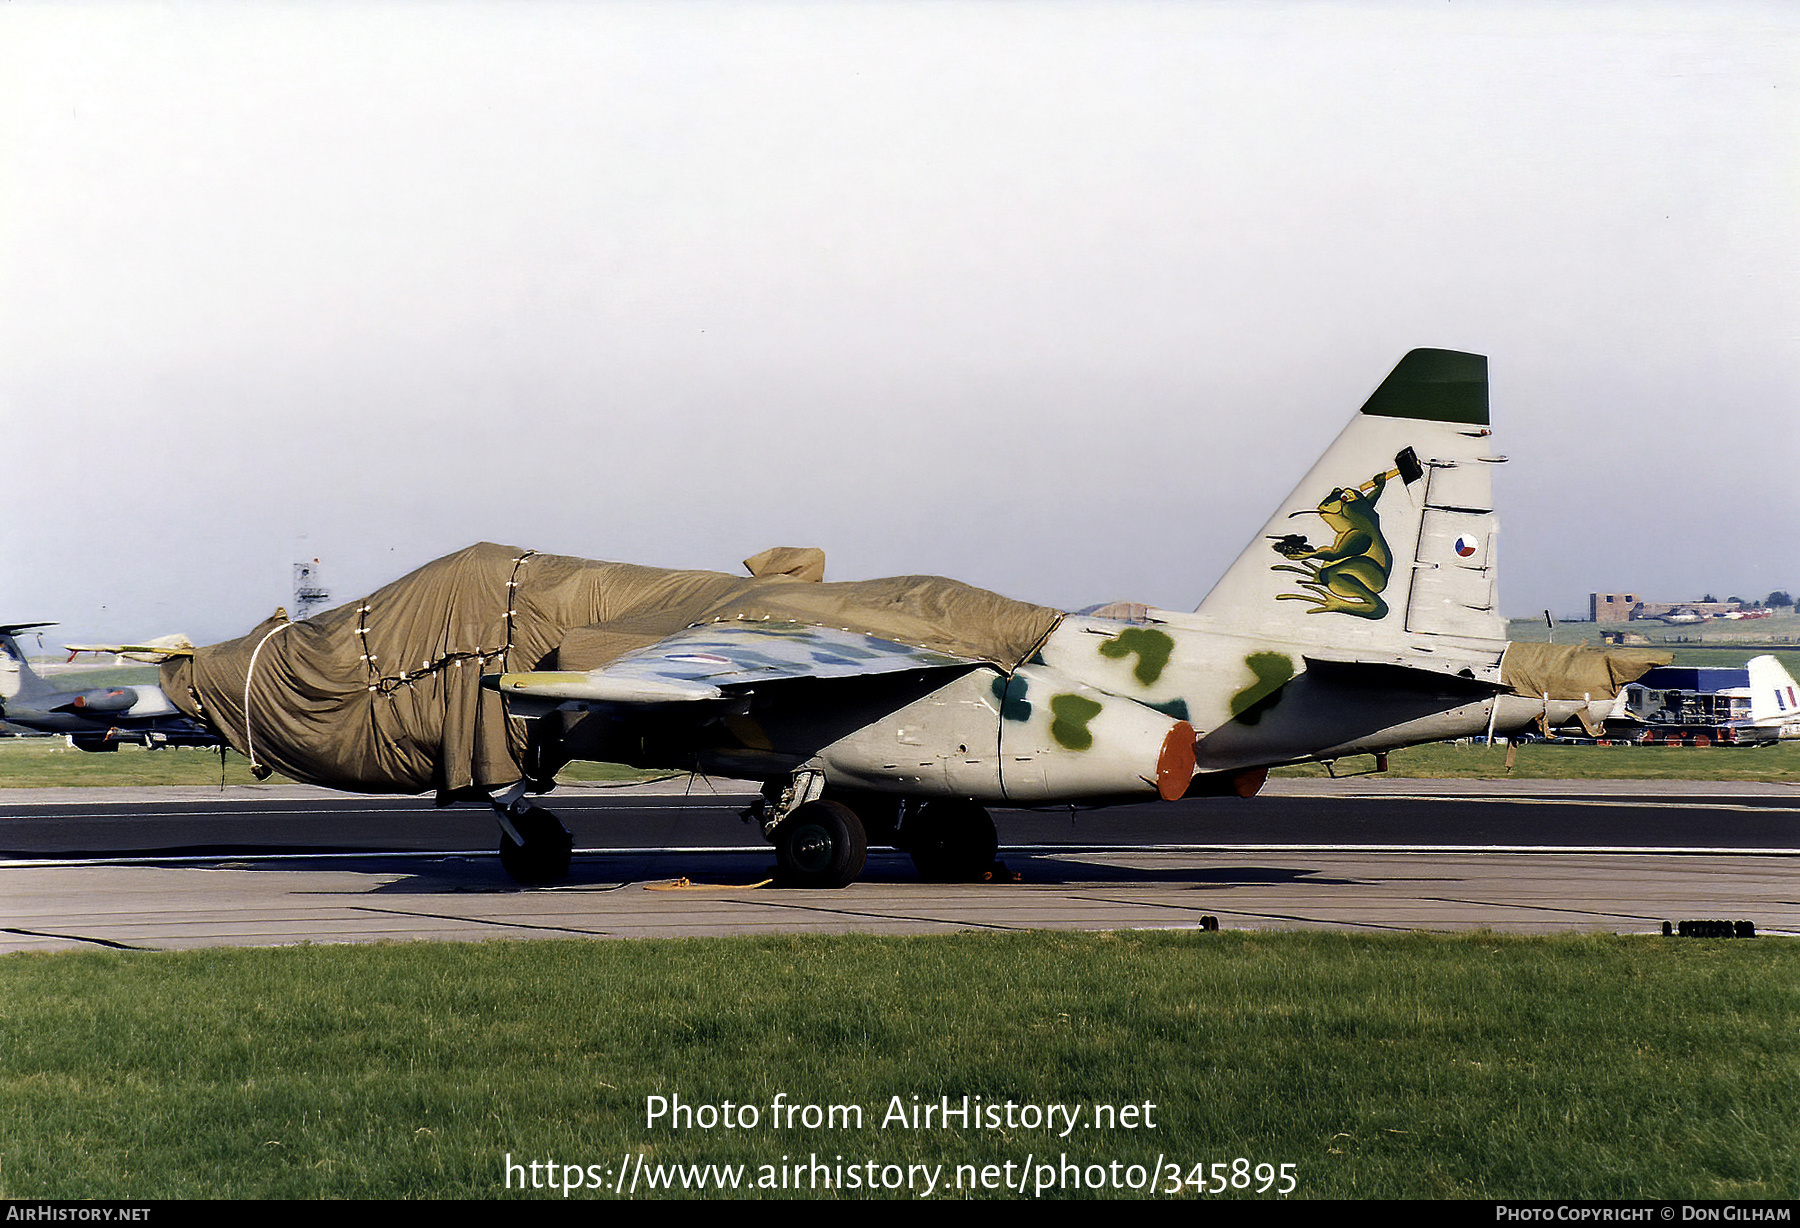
{"x": 534, "y": 845}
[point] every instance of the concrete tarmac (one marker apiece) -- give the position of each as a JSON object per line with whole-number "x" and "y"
{"x": 221, "y": 900}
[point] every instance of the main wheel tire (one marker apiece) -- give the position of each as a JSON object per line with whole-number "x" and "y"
{"x": 952, "y": 842}
{"x": 821, "y": 844}
{"x": 544, "y": 857}
{"x": 880, "y": 815}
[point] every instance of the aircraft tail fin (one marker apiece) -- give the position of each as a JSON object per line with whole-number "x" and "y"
{"x": 1774, "y": 696}
{"x": 17, "y": 678}
{"x": 1386, "y": 549}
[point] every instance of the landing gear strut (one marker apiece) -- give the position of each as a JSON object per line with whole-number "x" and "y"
{"x": 818, "y": 843}
{"x": 534, "y": 845}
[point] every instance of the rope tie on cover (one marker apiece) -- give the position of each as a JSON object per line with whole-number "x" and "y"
{"x": 260, "y": 771}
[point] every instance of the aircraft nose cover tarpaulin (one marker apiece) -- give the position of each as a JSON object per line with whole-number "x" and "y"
{"x": 384, "y": 695}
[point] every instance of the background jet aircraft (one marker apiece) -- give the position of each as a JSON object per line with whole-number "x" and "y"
{"x": 97, "y": 719}
{"x": 1362, "y": 618}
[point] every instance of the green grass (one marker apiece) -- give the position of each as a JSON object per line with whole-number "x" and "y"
{"x": 50, "y": 763}
{"x": 1545, "y": 761}
{"x": 1723, "y": 657}
{"x": 88, "y": 677}
{"x": 1720, "y": 642}
{"x": 1382, "y": 1067}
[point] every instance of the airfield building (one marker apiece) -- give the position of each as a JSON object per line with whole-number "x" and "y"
{"x": 1624, "y": 607}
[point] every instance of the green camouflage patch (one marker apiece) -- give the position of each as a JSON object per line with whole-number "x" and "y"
{"x": 1151, "y": 646}
{"x": 1272, "y": 670}
{"x": 1070, "y": 726}
{"x": 1010, "y": 694}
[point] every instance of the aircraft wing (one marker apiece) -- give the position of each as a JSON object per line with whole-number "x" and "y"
{"x": 713, "y": 661}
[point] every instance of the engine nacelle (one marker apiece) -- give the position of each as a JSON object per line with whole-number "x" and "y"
{"x": 103, "y": 700}
{"x": 1062, "y": 739}
{"x": 1037, "y": 736}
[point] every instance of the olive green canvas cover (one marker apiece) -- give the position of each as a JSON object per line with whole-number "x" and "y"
{"x": 1574, "y": 671}
{"x": 383, "y": 695}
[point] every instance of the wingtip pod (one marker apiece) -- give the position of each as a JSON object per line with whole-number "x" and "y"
{"x": 1434, "y": 386}
{"x": 560, "y": 686}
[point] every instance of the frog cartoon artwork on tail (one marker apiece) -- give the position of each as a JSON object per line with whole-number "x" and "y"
{"x": 1347, "y": 576}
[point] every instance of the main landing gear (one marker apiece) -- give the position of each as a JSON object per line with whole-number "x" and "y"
{"x": 950, "y": 841}
{"x": 823, "y": 842}
{"x": 818, "y": 843}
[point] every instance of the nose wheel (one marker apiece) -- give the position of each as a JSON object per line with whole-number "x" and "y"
{"x": 534, "y": 845}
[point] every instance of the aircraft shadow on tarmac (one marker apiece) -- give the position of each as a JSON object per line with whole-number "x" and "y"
{"x": 483, "y": 875}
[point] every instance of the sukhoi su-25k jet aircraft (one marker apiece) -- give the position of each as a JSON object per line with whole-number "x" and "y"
{"x": 1362, "y": 618}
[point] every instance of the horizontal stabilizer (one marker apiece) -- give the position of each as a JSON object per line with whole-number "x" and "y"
{"x": 1409, "y": 676}
{"x": 150, "y": 652}
{"x": 15, "y": 628}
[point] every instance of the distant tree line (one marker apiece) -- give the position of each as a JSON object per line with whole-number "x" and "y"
{"x": 1778, "y": 600}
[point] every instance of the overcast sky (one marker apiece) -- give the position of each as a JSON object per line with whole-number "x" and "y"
{"x": 1059, "y": 299}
